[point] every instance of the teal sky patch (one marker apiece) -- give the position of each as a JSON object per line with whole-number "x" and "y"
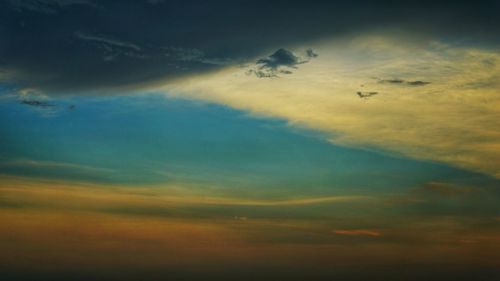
{"x": 150, "y": 139}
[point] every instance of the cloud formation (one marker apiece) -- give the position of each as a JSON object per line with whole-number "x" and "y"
{"x": 280, "y": 62}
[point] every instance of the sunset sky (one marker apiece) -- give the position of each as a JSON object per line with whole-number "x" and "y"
{"x": 249, "y": 140}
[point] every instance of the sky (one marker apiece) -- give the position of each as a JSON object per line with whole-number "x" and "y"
{"x": 283, "y": 140}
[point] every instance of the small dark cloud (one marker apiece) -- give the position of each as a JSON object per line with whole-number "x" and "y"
{"x": 280, "y": 62}
{"x": 366, "y": 94}
{"x": 280, "y": 58}
{"x": 402, "y": 82}
{"x": 392, "y": 81}
{"x": 417, "y": 83}
{"x": 44, "y": 108}
{"x": 36, "y": 103}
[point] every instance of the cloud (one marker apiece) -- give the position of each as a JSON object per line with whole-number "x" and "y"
{"x": 37, "y": 103}
{"x": 280, "y": 58}
{"x": 166, "y": 196}
{"x": 42, "y": 51}
{"x": 280, "y": 62}
{"x": 153, "y": 224}
{"x": 113, "y": 48}
{"x": 194, "y": 55}
{"x": 178, "y": 57}
{"x": 286, "y": 202}
{"x": 31, "y": 93}
{"x": 366, "y": 94}
{"x": 446, "y": 121}
{"x": 392, "y": 81}
{"x": 37, "y": 100}
{"x": 109, "y": 41}
{"x": 417, "y": 83}
{"x": 404, "y": 82}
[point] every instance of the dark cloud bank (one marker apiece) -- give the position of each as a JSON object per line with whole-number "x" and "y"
{"x": 67, "y": 46}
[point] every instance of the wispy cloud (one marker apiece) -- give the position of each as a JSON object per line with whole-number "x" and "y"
{"x": 178, "y": 57}
{"x": 53, "y": 165}
{"x": 284, "y": 202}
{"x": 147, "y": 197}
{"x": 107, "y": 40}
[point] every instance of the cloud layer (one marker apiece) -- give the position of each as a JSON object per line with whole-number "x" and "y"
{"x": 89, "y": 47}
{"x": 107, "y": 227}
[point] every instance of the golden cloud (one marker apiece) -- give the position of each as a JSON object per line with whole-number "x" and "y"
{"x": 447, "y": 109}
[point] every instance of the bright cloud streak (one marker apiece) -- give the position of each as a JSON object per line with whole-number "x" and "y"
{"x": 94, "y": 196}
